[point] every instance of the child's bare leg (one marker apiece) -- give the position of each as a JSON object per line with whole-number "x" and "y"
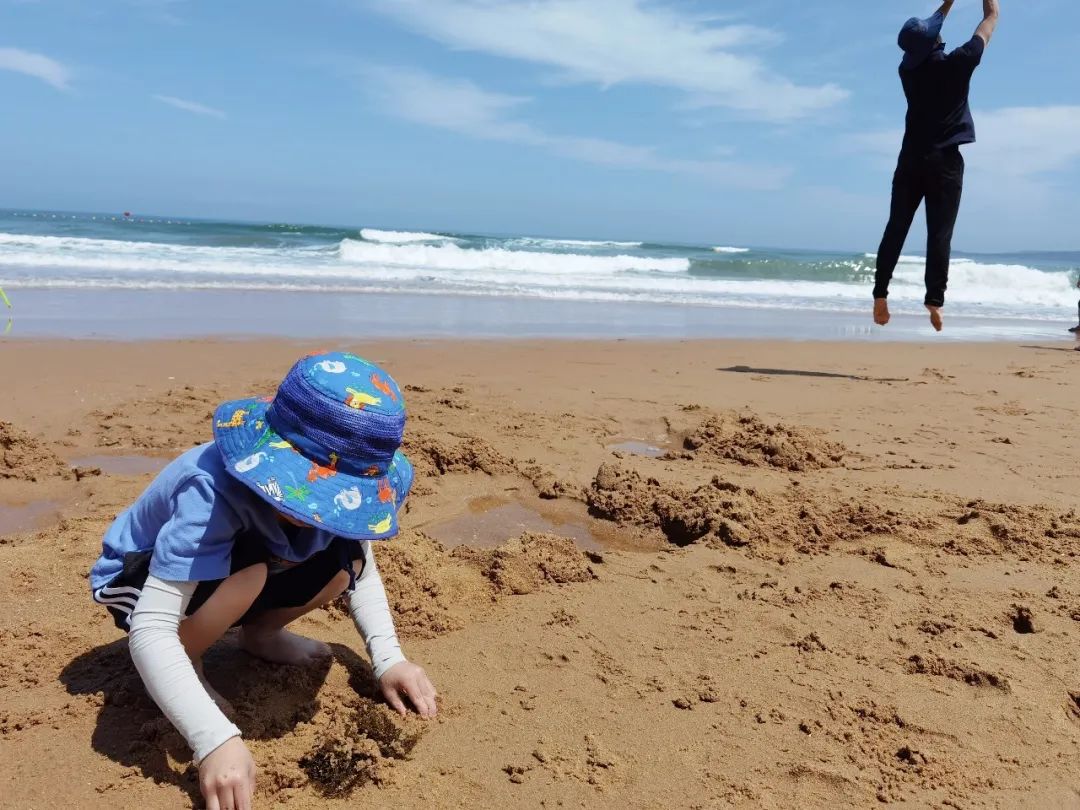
{"x": 266, "y": 636}
{"x": 215, "y": 616}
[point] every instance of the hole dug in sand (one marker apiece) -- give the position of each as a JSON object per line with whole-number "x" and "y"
{"x": 1023, "y": 620}
{"x": 356, "y": 745}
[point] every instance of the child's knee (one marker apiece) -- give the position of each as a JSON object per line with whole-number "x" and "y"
{"x": 340, "y": 582}
{"x": 248, "y": 582}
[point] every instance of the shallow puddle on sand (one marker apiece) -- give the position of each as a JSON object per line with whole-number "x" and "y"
{"x": 637, "y": 448}
{"x": 491, "y": 521}
{"x": 122, "y": 465}
{"x": 27, "y": 516}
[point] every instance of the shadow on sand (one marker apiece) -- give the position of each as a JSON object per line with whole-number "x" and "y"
{"x": 1053, "y": 348}
{"x": 828, "y": 375}
{"x": 270, "y": 701}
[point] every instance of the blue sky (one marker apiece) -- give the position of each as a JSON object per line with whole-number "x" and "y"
{"x": 723, "y": 122}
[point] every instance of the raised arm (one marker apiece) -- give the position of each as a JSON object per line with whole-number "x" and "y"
{"x": 946, "y": 7}
{"x": 990, "y": 20}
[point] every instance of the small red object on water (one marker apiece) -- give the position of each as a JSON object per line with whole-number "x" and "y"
{"x": 127, "y": 213}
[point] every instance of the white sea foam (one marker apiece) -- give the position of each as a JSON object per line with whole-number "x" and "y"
{"x": 402, "y": 237}
{"x": 905, "y": 259}
{"x": 454, "y": 257}
{"x": 976, "y": 287}
{"x": 725, "y": 249}
{"x": 587, "y": 244}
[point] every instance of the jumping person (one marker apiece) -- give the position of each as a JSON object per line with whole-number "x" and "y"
{"x": 930, "y": 166}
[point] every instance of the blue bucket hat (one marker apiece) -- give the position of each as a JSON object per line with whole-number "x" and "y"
{"x": 918, "y": 39}
{"x": 324, "y": 449}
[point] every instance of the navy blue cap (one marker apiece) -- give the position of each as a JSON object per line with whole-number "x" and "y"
{"x": 918, "y": 39}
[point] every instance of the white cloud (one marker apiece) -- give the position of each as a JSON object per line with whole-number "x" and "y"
{"x": 460, "y": 106}
{"x": 190, "y": 106}
{"x": 37, "y": 65}
{"x": 1027, "y": 141}
{"x": 608, "y": 42}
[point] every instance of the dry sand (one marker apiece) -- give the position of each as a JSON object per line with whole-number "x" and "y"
{"x": 832, "y": 575}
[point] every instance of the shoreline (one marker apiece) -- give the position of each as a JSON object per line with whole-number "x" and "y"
{"x": 237, "y": 314}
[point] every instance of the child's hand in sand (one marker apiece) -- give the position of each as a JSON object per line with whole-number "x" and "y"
{"x": 227, "y": 777}
{"x": 409, "y": 680}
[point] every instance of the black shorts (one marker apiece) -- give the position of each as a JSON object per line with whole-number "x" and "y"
{"x": 285, "y": 588}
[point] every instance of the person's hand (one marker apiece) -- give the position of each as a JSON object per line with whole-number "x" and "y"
{"x": 227, "y": 777}
{"x": 410, "y": 680}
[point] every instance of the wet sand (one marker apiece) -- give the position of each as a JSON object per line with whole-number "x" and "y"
{"x": 134, "y": 314}
{"x": 804, "y": 575}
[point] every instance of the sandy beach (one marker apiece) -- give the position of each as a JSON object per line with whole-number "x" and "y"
{"x": 688, "y": 574}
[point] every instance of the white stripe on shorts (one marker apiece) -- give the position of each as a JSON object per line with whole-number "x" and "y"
{"x": 116, "y": 601}
{"x": 108, "y": 591}
{"x": 119, "y": 604}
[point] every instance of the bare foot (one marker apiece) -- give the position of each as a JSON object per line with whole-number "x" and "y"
{"x": 225, "y": 706}
{"x": 935, "y": 317}
{"x": 282, "y": 647}
{"x": 881, "y": 311}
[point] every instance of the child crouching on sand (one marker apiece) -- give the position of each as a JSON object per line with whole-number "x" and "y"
{"x": 269, "y": 521}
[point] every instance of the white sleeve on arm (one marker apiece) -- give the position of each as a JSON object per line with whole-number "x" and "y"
{"x": 371, "y": 613}
{"x": 167, "y": 671}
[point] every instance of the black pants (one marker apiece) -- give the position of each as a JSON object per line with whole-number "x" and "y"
{"x": 937, "y": 178}
{"x": 291, "y": 588}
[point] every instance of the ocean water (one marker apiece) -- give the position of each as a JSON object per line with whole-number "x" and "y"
{"x": 100, "y": 252}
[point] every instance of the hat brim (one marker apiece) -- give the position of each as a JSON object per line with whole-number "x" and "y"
{"x": 356, "y": 507}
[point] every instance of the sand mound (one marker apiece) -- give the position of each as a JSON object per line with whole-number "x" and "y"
{"x": 529, "y": 562}
{"x": 548, "y": 485}
{"x": 750, "y": 441}
{"x": 1029, "y": 532}
{"x": 964, "y": 673}
{"x": 723, "y": 513}
{"x": 427, "y": 596}
{"x": 432, "y": 591}
{"x": 434, "y": 455}
{"x": 25, "y": 458}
